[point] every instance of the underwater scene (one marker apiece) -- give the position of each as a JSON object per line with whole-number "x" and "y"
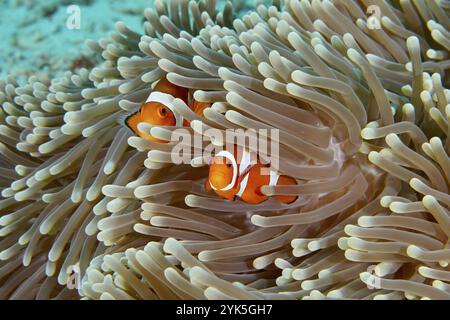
{"x": 225, "y": 150}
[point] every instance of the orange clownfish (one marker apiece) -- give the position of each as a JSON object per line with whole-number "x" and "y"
{"x": 158, "y": 110}
{"x": 231, "y": 178}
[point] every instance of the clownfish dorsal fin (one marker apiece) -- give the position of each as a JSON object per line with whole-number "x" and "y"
{"x": 174, "y": 90}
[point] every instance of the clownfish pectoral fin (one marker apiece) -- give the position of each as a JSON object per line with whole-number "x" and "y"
{"x": 231, "y": 197}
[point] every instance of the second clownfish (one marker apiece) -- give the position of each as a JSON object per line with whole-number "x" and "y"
{"x": 231, "y": 178}
{"x": 158, "y": 110}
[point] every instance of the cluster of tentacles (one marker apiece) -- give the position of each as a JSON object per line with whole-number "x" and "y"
{"x": 78, "y": 189}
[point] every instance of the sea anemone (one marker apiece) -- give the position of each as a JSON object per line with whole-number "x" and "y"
{"x": 80, "y": 190}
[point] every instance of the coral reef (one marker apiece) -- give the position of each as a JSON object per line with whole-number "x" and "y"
{"x": 36, "y": 39}
{"x": 79, "y": 189}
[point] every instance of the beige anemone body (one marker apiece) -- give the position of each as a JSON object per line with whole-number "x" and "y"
{"x": 78, "y": 189}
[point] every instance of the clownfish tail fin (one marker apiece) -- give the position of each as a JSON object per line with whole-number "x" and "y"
{"x": 286, "y": 181}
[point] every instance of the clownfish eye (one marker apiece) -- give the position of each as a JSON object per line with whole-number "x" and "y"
{"x": 163, "y": 112}
{"x": 229, "y": 165}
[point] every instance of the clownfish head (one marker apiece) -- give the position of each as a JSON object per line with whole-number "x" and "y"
{"x": 223, "y": 171}
{"x": 153, "y": 113}
{"x": 158, "y": 110}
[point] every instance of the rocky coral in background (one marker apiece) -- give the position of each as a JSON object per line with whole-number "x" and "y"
{"x": 36, "y": 40}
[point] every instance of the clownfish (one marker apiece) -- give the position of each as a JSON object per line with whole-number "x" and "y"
{"x": 158, "y": 109}
{"x": 231, "y": 178}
